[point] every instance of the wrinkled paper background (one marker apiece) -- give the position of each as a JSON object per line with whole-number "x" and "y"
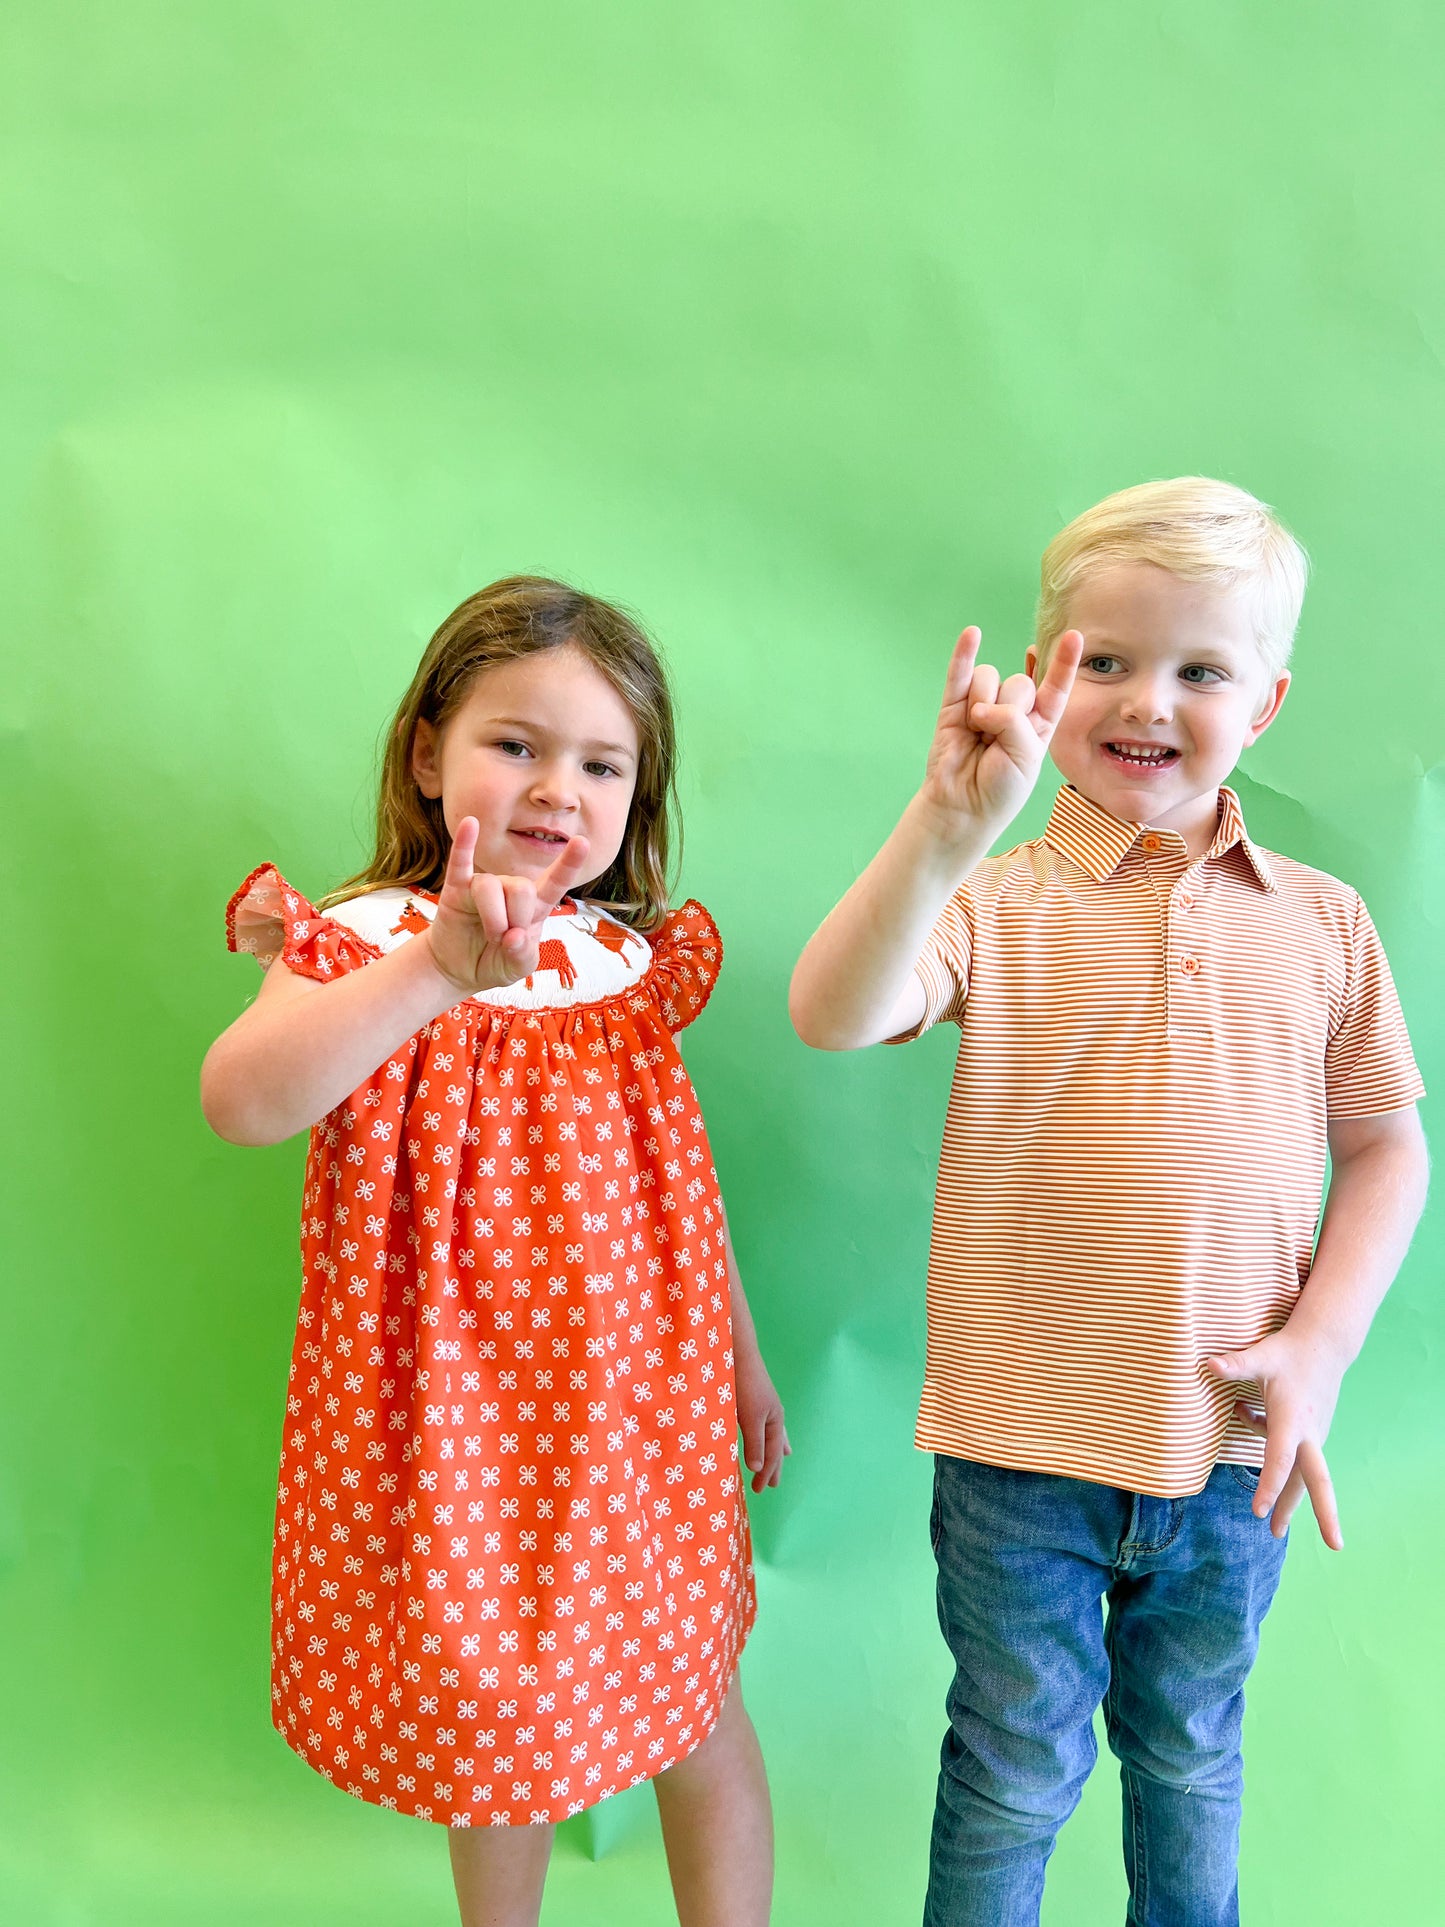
{"x": 800, "y": 328}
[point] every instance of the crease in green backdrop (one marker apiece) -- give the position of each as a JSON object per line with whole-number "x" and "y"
{"x": 801, "y": 329}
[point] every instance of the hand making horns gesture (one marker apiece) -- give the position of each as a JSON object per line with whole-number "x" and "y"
{"x": 488, "y": 928}
{"x": 991, "y": 736}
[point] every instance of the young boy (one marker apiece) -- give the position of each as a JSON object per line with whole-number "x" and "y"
{"x": 1134, "y": 1350}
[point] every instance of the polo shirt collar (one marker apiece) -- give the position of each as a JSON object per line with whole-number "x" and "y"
{"x": 1098, "y": 842}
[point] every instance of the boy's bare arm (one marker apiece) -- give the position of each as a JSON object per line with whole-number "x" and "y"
{"x": 1380, "y": 1170}
{"x": 854, "y": 982}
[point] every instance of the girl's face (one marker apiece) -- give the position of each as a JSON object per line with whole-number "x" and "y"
{"x": 541, "y": 749}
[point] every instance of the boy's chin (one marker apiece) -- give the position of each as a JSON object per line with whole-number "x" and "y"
{"x": 1135, "y": 801}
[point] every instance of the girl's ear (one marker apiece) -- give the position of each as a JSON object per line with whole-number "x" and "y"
{"x": 425, "y": 766}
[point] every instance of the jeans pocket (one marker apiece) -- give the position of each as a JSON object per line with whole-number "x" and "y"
{"x": 935, "y": 1516}
{"x": 1245, "y": 1476}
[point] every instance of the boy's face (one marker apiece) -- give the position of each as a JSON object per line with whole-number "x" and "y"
{"x": 1172, "y": 687}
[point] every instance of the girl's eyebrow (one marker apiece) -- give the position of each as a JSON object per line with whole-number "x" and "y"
{"x": 520, "y": 722}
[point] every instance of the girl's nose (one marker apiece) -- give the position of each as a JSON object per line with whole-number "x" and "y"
{"x": 554, "y": 787}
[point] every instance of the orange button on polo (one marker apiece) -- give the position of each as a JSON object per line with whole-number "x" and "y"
{"x": 1189, "y": 965}
{"x": 1184, "y": 900}
{"x": 1150, "y": 843}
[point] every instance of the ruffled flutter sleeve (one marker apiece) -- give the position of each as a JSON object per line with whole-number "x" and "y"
{"x": 268, "y": 919}
{"x": 687, "y": 955}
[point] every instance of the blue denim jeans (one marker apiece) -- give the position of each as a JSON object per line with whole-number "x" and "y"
{"x": 1056, "y": 1595}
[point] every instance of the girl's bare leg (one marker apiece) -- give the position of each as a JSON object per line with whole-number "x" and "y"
{"x": 717, "y": 1826}
{"x": 499, "y": 1873}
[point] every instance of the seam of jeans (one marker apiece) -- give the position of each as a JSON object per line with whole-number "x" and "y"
{"x": 1139, "y": 1870}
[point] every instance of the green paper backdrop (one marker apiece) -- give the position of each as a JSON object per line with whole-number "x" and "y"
{"x": 801, "y": 328}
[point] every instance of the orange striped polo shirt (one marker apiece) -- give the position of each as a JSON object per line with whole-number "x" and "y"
{"x": 1133, "y": 1158}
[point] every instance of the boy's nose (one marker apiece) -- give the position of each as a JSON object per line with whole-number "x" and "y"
{"x": 1146, "y": 701}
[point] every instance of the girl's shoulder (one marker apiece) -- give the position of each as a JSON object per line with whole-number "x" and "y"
{"x": 586, "y": 955}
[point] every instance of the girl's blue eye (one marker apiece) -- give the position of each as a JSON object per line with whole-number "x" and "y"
{"x": 509, "y": 748}
{"x": 601, "y": 769}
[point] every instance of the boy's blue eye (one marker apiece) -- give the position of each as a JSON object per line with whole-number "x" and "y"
{"x": 1200, "y": 674}
{"x": 1101, "y": 665}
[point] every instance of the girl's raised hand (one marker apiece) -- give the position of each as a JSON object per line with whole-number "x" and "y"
{"x": 991, "y": 736}
{"x": 487, "y": 929}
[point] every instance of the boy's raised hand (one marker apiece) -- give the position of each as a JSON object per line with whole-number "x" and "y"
{"x": 991, "y": 736}
{"x": 488, "y": 929}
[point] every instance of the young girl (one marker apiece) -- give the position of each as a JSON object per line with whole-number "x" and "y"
{"x": 512, "y": 1571}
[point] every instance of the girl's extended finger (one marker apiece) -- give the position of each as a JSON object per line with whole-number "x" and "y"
{"x": 566, "y": 870}
{"x": 1058, "y": 679}
{"x": 459, "y": 857}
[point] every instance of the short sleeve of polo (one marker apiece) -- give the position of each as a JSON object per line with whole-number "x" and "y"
{"x": 943, "y": 968}
{"x": 1369, "y": 1065}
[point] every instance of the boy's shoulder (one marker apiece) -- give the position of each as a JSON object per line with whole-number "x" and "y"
{"x": 1304, "y": 879}
{"x": 1325, "y": 905}
{"x": 1037, "y": 864}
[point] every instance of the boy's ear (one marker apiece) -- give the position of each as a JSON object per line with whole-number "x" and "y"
{"x": 425, "y": 767}
{"x": 1274, "y": 702}
{"x": 1031, "y": 661}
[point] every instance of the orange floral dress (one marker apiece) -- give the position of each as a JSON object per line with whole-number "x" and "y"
{"x": 512, "y": 1571}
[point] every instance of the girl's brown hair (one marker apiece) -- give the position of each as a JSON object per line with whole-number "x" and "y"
{"x": 518, "y": 617}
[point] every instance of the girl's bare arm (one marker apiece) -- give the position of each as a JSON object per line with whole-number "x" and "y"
{"x": 303, "y": 1045}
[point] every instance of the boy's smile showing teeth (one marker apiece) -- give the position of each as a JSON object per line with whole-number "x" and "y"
{"x": 1142, "y": 755}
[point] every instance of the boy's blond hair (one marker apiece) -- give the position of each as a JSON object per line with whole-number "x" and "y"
{"x": 1199, "y": 530}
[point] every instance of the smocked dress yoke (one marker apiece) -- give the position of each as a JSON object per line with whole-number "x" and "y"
{"x": 512, "y": 1571}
